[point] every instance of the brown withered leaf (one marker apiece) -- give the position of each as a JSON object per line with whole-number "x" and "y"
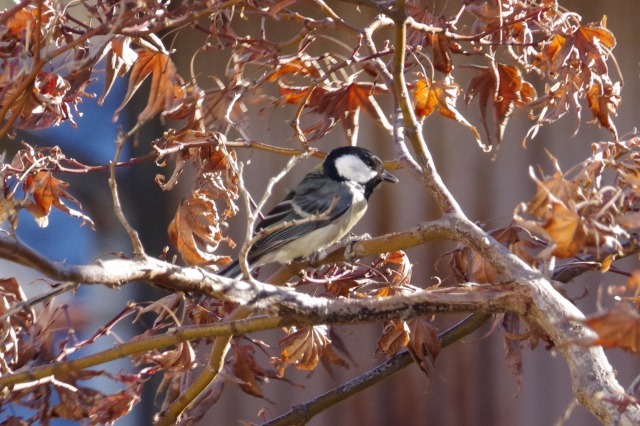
{"x": 298, "y": 64}
{"x": 47, "y": 191}
{"x": 440, "y": 44}
{"x": 196, "y": 230}
{"x": 75, "y": 402}
{"x": 566, "y": 229}
{"x": 513, "y": 347}
{"x": 589, "y": 45}
{"x": 395, "y": 269}
{"x": 48, "y": 103}
{"x": 111, "y": 407}
{"x": 395, "y": 336}
{"x": 335, "y": 105}
{"x": 556, "y": 186}
{"x": 440, "y": 96}
{"x": 618, "y": 327}
{"x": 167, "y": 93}
{"x": 245, "y": 368}
{"x": 120, "y": 58}
{"x": 25, "y": 21}
{"x": 304, "y": 347}
{"x": 593, "y": 46}
{"x": 177, "y": 360}
{"x": 424, "y": 343}
{"x": 218, "y": 103}
{"x": 503, "y": 87}
{"x": 604, "y": 98}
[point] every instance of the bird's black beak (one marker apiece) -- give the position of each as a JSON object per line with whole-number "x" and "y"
{"x": 386, "y": 176}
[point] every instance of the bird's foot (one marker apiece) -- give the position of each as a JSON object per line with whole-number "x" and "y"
{"x": 350, "y": 241}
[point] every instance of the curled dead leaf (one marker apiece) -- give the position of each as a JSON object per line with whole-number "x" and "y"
{"x": 47, "y": 191}
{"x": 197, "y": 230}
{"x": 304, "y": 347}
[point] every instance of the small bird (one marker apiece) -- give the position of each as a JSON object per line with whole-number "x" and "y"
{"x": 335, "y": 192}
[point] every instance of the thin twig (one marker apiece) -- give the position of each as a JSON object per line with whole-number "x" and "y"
{"x": 138, "y": 249}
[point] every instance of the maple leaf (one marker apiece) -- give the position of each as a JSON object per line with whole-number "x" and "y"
{"x": 424, "y": 344}
{"x": 245, "y": 368}
{"x": 304, "y": 347}
{"x": 555, "y": 186}
{"x": 603, "y": 98}
{"x": 177, "y": 360}
{"x": 587, "y": 46}
{"x": 196, "y": 230}
{"x": 504, "y": 87}
{"x": 120, "y": 58}
{"x": 298, "y": 64}
{"x": 441, "y": 96}
{"x": 218, "y": 109}
{"x": 335, "y": 105}
{"x": 47, "y": 104}
{"x": 23, "y": 22}
{"x": 47, "y": 192}
{"x": 167, "y": 93}
{"x": 618, "y": 327}
{"x": 395, "y": 336}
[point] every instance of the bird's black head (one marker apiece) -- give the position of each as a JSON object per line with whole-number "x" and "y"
{"x": 352, "y": 163}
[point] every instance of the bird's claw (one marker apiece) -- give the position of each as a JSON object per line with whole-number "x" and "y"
{"x": 317, "y": 257}
{"x": 351, "y": 240}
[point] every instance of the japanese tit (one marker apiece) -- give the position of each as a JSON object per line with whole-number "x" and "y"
{"x": 336, "y": 191}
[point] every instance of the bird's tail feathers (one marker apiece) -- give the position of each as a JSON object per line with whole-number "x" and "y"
{"x": 232, "y": 270}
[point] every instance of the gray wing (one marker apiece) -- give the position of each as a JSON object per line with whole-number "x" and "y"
{"x": 317, "y": 197}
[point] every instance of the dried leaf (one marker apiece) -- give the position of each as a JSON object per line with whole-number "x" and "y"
{"x": 504, "y": 87}
{"x": 566, "y": 229}
{"x": 246, "y": 369}
{"x": 196, "y": 230}
{"x": 513, "y": 347}
{"x": 604, "y": 99}
{"x": 424, "y": 343}
{"x": 440, "y": 96}
{"x": 110, "y": 408}
{"x": 120, "y": 58}
{"x": 178, "y": 360}
{"x": 304, "y": 347}
{"x": 618, "y": 327}
{"x": 395, "y": 336}
{"x": 334, "y": 105}
{"x": 167, "y": 94}
{"x": 47, "y": 191}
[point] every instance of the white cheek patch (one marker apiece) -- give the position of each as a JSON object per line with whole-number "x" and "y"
{"x": 353, "y": 168}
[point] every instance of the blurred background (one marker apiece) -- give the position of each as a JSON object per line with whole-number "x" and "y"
{"x": 470, "y": 384}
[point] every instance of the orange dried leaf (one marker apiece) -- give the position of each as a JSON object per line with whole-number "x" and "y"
{"x": 566, "y": 230}
{"x": 167, "y": 94}
{"x": 196, "y": 230}
{"x": 120, "y": 58}
{"x": 47, "y": 191}
{"x": 440, "y": 96}
{"x": 180, "y": 359}
{"x": 299, "y": 64}
{"x": 441, "y": 58}
{"x": 604, "y": 98}
{"x": 334, "y": 105}
{"x": 593, "y": 45}
{"x": 619, "y": 327}
{"x": 556, "y": 187}
{"x": 303, "y": 348}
